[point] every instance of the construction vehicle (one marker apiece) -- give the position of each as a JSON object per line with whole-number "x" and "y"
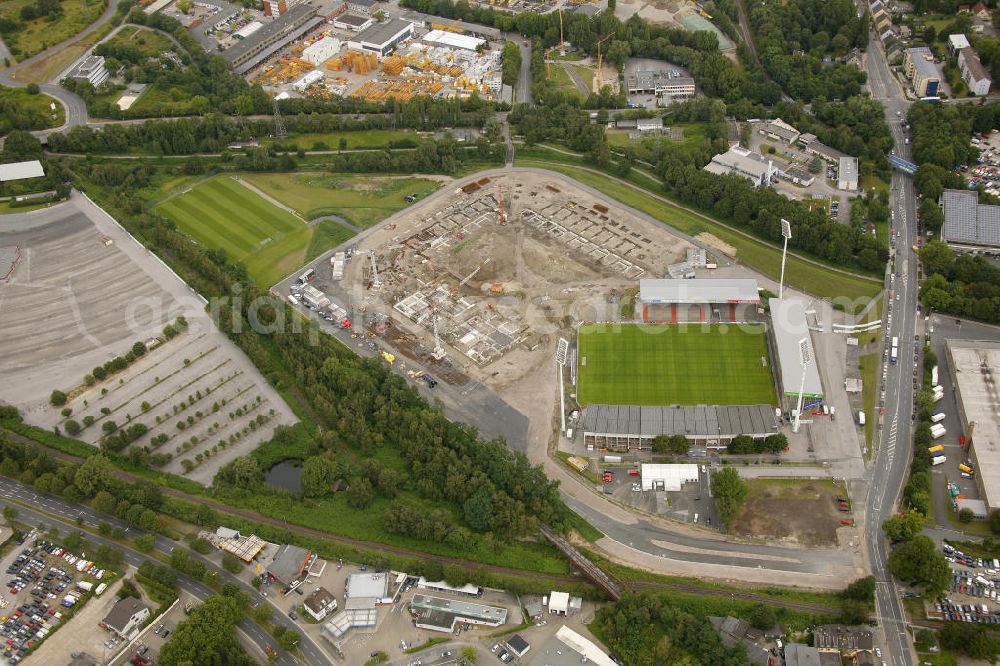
{"x": 388, "y": 358}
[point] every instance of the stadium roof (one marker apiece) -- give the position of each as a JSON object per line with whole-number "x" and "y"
{"x": 788, "y": 320}
{"x": 382, "y": 33}
{"x": 707, "y": 290}
{"x": 21, "y": 170}
{"x": 701, "y": 421}
{"x": 968, "y": 222}
{"x": 975, "y": 364}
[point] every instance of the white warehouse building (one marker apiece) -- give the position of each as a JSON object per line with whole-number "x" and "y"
{"x": 319, "y": 52}
{"x": 382, "y": 38}
{"x": 453, "y": 39}
{"x": 667, "y": 477}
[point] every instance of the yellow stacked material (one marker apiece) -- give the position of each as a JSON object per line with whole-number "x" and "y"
{"x": 335, "y": 64}
{"x": 298, "y": 48}
{"x": 393, "y": 65}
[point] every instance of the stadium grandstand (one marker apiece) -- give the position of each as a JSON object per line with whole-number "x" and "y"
{"x": 705, "y": 300}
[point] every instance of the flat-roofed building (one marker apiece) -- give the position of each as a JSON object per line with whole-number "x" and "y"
{"x": 453, "y": 40}
{"x": 274, "y": 36}
{"x": 745, "y": 163}
{"x": 355, "y": 22}
{"x": 21, "y": 170}
{"x": 660, "y": 83}
{"x": 956, "y": 43}
{"x": 848, "y": 641}
{"x": 382, "y": 38}
{"x": 441, "y": 586}
{"x": 668, "y": 478}
{"x": 968, "y": 224}
{"x": 789, "y": 327}
{"x": 569, "y": 648}
{"x": 918, "y": 63}
{"x": 321, "y": 50}
{"x": 847, "y": 174}
{"x": 437, "y": 614}
{"x": 974, "y": 365}
{"x": 290, "y": 565}
{"x": 364, "y": 7}
{"x": 973, "y": 72}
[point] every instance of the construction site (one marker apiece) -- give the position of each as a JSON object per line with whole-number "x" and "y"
{"x": 481, "y": 282}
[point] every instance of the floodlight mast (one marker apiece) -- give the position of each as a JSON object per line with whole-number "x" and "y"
{"x": 804, "y": 357}
{"x": 786, "y": 232}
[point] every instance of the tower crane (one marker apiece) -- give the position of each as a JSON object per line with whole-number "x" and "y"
{"x": 600, "y": 62}
{"x": 473, "y": 273}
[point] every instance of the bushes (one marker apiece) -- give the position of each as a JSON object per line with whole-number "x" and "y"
{"x": 57, "y": 399}
{"x": 744, "y": 444}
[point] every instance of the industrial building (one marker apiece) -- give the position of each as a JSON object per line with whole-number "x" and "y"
{"x": 742, "y": 162}
{"x": 779, "y": 130}
{"x": 632, "y": 428}
{"x": 820, "y": 149}
{"x": 847, "y": 641}
{"x": 668, "y": 478}
{"x": 661, "y": 84}
{"x": 290, "y": 565}
{"x": 274, "y": 36}
{"x": 321, "y": 50}
{"x": 974, "y": 367}
{"x": 973, "y": 72}
{"x": 365, "y": 7}
{"x": 441, "y": 586}
{"x": 561, "y": 603}
{"x": 92, "y": 70}
{"x": 437, "y": 614}
{"x": 788, "y": 328}
{"x": 21, "y": 171}
{"x": 382, "y": 38}
{"x": 968, "y": 224}
{"x": 453, "y": 40}
{"x": 354, "y": 22}
{"x": 847, "y": 174}
{"x": 701, "y": 300}
{"x": 918, "y": 63}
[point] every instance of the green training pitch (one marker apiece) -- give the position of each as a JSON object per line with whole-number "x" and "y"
{"x": 220, "y": 213}
{"x": 646, "y": 364}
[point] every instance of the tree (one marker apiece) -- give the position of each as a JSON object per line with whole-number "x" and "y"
{"x": 262, "y": 614}
{"x": 470, "y": 654}
{"x": 918, "y": 560}
{"x": 863, "y": 589}
{"x": 478, "y": 509}
{"x": 57, "y": 399}
{"x": 289, "y": 639}
{"x": 207, "y": 636}
{"x": 730, "y": 491}
{"x": 815, "y": 165}
{"x": 145, "y": 543}
{"x": 903, "y": 527}
{"x": 969, "y": 639}
{"x": 995, "y": 522}
{"x": 854, "y": 612}
{"x": 966, "y": 515}
{"x": 763, "y": 617}
{"x": 318, "y": 475}
{"x": 104, "y": 502}
{"x": 675, "y": 444}
{"x": 361, "y": 494}
{"x": 92, "y": 475}
{"x": 936, "y": 257}
{"x": 243, "y": 472}
{"x": 510, "y": 63}
{"x": 9, "y": 514}
{"x": 72, "y": 428}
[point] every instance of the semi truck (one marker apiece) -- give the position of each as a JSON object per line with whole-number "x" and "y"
{"x": 937, "y": 416}
{"x": 937, "y": 430}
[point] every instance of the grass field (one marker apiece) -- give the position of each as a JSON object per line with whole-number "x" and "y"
{"x": 869, "y": 365}
{"x": 38, "y": 34}
{"x": 220, "y": 213}
{"x": 361, "y": 200}
{"x": 639, "y": 364}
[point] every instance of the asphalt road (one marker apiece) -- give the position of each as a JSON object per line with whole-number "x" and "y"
{"x": 68, "y": 513}
{"x": 891, "y": 462}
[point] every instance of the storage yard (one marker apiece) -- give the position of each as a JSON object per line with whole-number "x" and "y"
{"x": 475, "y": 288}
{"x": 302, "y": 53}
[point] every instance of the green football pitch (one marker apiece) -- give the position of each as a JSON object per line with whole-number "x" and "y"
{"x": 222, "y": 214}
{"x": 646, "y": 364}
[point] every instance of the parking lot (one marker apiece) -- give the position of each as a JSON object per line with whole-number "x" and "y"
{"x": 692, "y": 503}
{"x": 43, "y": 583}
{"x": 973, "y": 596}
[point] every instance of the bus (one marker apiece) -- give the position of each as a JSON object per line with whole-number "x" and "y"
{"x": 934, "y": 450}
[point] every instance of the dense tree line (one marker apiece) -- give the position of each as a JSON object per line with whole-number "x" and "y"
{"x": 961, "y": 285}
{"x": 214, "y": 133}
{"x": 729, "y": 492}
{"x": 510, "y": 63}
{"x": 648, "y": 631}
{"x": 797, "y": 41}
{"x": 207, "y": 636}
{"x": 20, "y": 113}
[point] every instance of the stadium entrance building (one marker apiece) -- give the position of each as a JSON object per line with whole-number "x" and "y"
{"x": 705, "y": 300}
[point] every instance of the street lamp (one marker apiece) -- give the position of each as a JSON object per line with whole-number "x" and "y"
{"x": 786, "y": 231}
{"x": 804, "y": 358}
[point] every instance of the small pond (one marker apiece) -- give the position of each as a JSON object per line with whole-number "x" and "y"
{"x": 285, "y": 475}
